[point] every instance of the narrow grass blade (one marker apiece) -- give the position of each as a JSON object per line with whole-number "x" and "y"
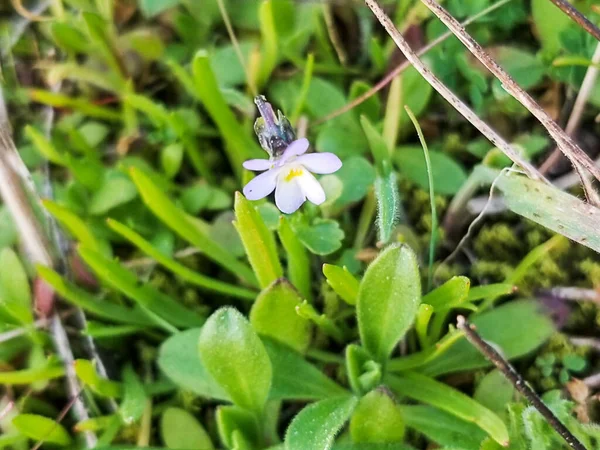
{"x": 113, "y": 274}
{"x": 182, "y": 224}
{"x": 298, "y": 262}
{"x": 187, "y": 274}
{"x": 91, "y": 304}
{"x": 258, "y": 241}
{"x": 434, "y": 220}
{"x": 239, "y": 145}
{"x": 427, "y": 390}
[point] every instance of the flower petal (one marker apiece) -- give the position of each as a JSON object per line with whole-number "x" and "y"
{"x": 296, "y": 148}
{"x": 320, "y": 162}
{"x": 288, "y": 195}
{"x": 257, "y": 165}
{"x": 311, "y": 188}
{"x": 262, "y": 185}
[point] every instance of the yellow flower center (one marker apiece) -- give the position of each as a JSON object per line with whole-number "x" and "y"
{"x": 293, "y": 173}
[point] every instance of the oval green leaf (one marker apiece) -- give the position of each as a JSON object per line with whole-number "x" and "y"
{"x": 388, "y": 300}
{"x": 315, "y": 427}
{"x": 236, "y": 358}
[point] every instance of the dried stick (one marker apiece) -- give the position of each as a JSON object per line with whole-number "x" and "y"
{"x": 405, "y": 65}
{"x": 577, "y": 17}
{"x": 517, "y": 380}
{"x": 564, "y": 141}
{"x": 462, "y": 108}
{"x": 13, "y": 190}
{"x": 582, "y": 97}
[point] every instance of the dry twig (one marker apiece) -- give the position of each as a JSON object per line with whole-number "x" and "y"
{"x": 577, "y": 156}
{"x": 517, "y": 380}
{"x": 462, "y": 108}
{"x": 405, "y": 65}
{"x": 577, "y": 17}
{"x": 587, "y": 86}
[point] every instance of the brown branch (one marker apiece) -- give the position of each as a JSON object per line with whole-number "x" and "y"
{"x": 462, "y": 108}
{"x": 564, "y": 141}
{"x": 405, "y": 65}
{"x": 577, "y": 17}
{"x": 518, "y": 382}
{"x": 587, "y": 86}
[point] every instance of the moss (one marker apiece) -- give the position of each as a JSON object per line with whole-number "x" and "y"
{"x": 591, "y": 269}
{"x": 491, "y": 271}
{"x": 500, "y": 241}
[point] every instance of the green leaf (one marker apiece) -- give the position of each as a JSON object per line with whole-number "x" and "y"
{"x": 342, "y": 282}
{"x": 77, "y": 227}
{"x": 44, "y": 146}
{"x": 87, "y": 373}
{"x": 236, "y": 358}
{"x": 146, "y": 296}
{"x": 40, "y": 428}
{"x": 322, "y": 237}
{"x": 525, "y": 68}
{"x": 294, "y": 378}
{"x": 549, "y": 23}
{"x": 547, "y": 206}
{"x": 416, "y": 92}
{"x": 151, "y": 8}
{"x": 495, "y": 391}
{"x": 202, "y": 281}
{"x": 237, "y": 427}
{"x": 258, "y": 242}
{"x": 116, "y": 190}
{"x": 490, "y": 290}
{"x": 80, "y": 104}
{"x": 178, "y": 359}
{"x": 298, "y": 261}
{"x": 377, "y": 418}
{"x": 427, "y": 390}
{"x": 274, "y": 315}
{"x": 388, "y": 300}
{"x": 69, "y": 37}
{"x": 15, "y": 294}
{"x": 239, "y": 144}
{"x": 357, "y": 176}
{"x": 497, "y": 326}
{"x": 53, "y": 369}
{"x": 184, "y": 226}
{"x": 449, "y": 295}
{"x": 346, "y": 142}
{"x": 91, "y": 304}
{"x": 315, "y": 427}
{"x": 134, "y": 397}
{"x": 179, "y": 429}
{"x": 269, "y": 50}
{"x": 379, "y": 149}
{"x": 442, "y": 427}
{"x": 388, "y": 205}
{"x": 449, "y": 176}
{"x": 171, "y": 158}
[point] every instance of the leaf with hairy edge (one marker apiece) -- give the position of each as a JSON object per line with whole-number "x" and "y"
{"x": 388, "y": 300}
{"x": 274, "y": 315}
{"x": 236, "y": 358}
{"x": 315, "y": 427}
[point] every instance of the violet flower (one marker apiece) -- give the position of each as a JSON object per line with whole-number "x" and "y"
{"x": 288, "y": 171}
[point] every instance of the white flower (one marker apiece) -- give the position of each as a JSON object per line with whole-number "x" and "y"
{"x": 289, "y": 175}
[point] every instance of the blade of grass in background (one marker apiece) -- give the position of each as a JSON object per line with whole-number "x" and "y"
{"x": 181, "y": 223}
{"x": 179, "y": 269}
{"x": 434, "y": 220}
